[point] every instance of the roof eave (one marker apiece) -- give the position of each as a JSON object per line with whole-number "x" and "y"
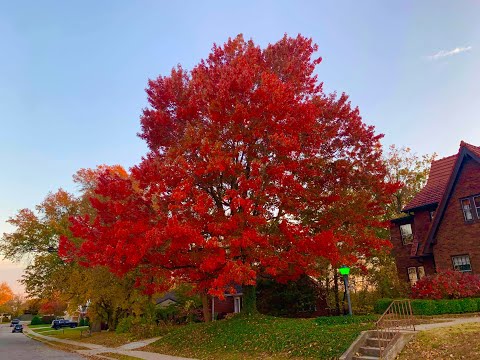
{"x": 447, "y": 194}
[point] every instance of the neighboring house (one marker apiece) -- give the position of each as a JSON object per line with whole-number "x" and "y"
{"x": 231, "y": 304}
{"x": 170, "y": 298}
{"x": 442, "y": 228}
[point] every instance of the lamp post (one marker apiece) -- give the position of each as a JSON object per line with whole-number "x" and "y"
{"x": 344, "y": 271}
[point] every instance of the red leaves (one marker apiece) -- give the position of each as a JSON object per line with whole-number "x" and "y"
{"x": 252, "y": 170}
{"x": 447, "y": 285}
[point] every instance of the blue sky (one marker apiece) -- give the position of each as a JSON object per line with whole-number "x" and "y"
{"x": 73, "y": 73}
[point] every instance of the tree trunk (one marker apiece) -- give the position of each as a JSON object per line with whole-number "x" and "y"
{"x": 335, "y": 289}
{"x": 249, "y": 300}
{"x": 207, "y": 316}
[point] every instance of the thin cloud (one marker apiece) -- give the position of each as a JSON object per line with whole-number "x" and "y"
{"x": 445, "y": 53}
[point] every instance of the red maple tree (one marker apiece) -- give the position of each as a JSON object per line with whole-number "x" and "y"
{"x": 252, "y": 170}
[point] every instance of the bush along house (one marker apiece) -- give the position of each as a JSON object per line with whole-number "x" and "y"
{"x": 441, "y": 229}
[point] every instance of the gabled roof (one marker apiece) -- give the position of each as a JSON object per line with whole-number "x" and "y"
{"x": 168, "y": 296}
{"x": 466, "y": 150}
{"x": 432, "y": 192}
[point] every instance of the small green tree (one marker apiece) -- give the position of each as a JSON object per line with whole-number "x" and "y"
{"x": 36, "y": 320}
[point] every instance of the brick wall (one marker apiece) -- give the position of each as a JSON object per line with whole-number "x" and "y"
{"x": 454, "y": 235}
{"x": 402, "y": 253}
{"x": 223, "y": 306}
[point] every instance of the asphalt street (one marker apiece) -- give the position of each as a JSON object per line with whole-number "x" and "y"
{"x": 20, "y": 347}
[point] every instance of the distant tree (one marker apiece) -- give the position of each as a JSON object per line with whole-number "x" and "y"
{"x": 14, "y": 306}
{"x": 54, "y": 306}
{"x": 411, "y": 171}
{"x": 51, "y": 280}
{"x": 6, "y": 293}
{"x": 252, "y": 170}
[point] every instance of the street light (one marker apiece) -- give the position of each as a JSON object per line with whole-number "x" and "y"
{"x": 344, "y": 271}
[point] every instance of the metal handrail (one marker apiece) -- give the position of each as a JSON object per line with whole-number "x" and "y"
{"x": 398, "y": 317}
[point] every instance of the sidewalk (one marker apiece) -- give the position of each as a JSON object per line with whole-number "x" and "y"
{"x": 450, "y": 322}
{"x": 126, "y": 349}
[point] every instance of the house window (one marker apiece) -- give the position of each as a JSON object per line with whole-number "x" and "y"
{"x": 406, "y": 233}
{"x": 461, "y": 263}
{"x": 412, "y": 275}
{"x": 467, "y": 209}
{"x": 421, "y": 272}
{"x": 476, "y": 202}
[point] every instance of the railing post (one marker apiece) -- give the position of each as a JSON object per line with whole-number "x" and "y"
{"x": 398, "y": 316}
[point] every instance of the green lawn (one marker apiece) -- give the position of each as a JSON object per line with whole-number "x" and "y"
{"x": 39, "y": 326}
{"x": 60, "y": 333}
{"x": 106, "y": 338}
{"x": 264, "y": 337}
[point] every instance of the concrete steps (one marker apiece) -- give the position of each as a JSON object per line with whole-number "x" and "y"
{"x": 372, "y": 346}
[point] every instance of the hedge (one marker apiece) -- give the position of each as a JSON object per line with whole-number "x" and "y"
{"x": 435, "y": 307}
{"x": 36, "y": 320}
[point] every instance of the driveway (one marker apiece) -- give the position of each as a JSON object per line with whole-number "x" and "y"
{"x": 19, "y": 347}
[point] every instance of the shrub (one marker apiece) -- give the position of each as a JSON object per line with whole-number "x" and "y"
{"x": 36, "y": 320}
{"x": 81, "y": 322}
{"x": 167, "y": 313}
{"x": 447, "y": 285}
{"x": 381, "y": 305}
{"x": 469, "y": 305}
{"x": 125, "y": 325}
{"x": 424, "y": 307}
{"x": 436, "y": 307}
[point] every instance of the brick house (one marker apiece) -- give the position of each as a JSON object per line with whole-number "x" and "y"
{"x": 441, "y": 229}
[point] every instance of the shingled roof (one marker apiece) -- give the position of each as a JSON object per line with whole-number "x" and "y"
{"x": 440, "y": 171}
{"x": 443, "y": 174}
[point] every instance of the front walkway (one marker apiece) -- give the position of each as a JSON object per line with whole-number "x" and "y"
{"x": 450, "y": 322}
{"x": 126, "y": 349}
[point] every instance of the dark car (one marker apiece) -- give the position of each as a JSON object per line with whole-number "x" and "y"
{"x": 14, "y": 322}
{"x": 17, "y": 328}
{"x": 61, "y": 323}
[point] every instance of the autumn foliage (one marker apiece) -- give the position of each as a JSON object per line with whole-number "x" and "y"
{"x": 6, "y": 293}
{"x": 447, "y": 285}
{"x": 252, "y": 170}
{"x": 53, "y": 306}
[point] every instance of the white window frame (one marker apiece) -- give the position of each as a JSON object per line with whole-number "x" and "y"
{"x": 420, "y": 272}
{"x": 406, "y": 240}
{"x": 412, "y": 275}
{"x": 461, "y": 260}
{"x": 477, "y": 208}
{"x": 237, "y": 304}
{"x": 467, "y": 210}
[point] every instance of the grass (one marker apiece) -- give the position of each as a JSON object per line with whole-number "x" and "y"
{"x": 58, "y": 345}
{"x": 39, "y": 326}
{"x": 455, "y": 342}
{"x": 264, "y": 337}
{"x": 106, "y": 338}
{"x": 78, "y": 331}
{"x": 120, "y": 356}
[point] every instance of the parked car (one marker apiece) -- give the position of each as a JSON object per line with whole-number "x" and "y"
{"x": 61, "y": 323}
{"x": 14, "y": 322}
{"x": 17, "y": 328}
